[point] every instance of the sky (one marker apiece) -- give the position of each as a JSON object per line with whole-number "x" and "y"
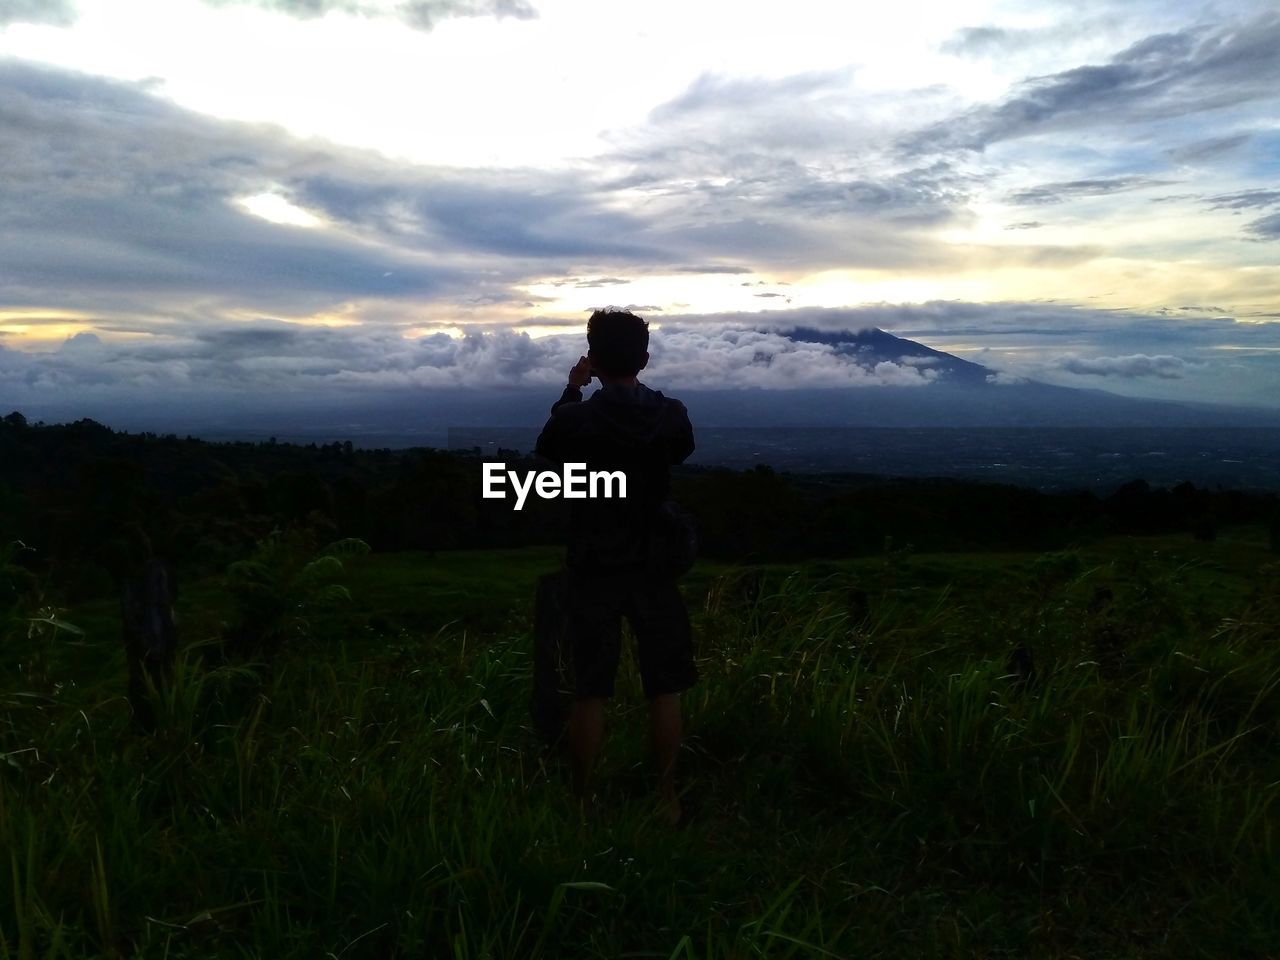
{"x": 263, "y": 198}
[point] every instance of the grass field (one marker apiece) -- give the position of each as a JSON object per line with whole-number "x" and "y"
{"x": 866, "y": 776}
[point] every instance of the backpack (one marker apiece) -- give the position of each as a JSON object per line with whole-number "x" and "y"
{"x": 673, "y": 542}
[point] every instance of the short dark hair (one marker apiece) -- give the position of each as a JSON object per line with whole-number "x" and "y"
{"x": 618, "y": 341}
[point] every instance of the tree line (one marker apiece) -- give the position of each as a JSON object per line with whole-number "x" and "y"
{"x": 89, "y": 502}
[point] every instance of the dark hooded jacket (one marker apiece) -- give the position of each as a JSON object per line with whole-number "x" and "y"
{"x": 632, "y": 429}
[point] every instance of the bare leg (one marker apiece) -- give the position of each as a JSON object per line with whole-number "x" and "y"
{"x": 586, "y": 734}
{"x": 664, "y": 735}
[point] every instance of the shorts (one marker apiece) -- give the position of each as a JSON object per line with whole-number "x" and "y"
{"x": 659, "y": 621}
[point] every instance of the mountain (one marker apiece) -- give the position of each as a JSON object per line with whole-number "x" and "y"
{"x": 872, "y": 346}
{"x": 963, "y": 394}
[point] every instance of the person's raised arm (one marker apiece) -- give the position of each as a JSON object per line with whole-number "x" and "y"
{"x": 551, "y": 441}
{"x": 579, "y": 377}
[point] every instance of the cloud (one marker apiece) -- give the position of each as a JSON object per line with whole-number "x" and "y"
{"x": 96, "y": 221}
{"x": 1244, "y": 200}
{"x": 59, "y": 13}
{"x": 122, "y": 207}
{"x": 714, "y": 94}
{"x": 1165, "y": 76}
{"x": 425, "y": 14}
{"x": 270, "y": 358}
{"x": 265, "y": 362}
{"x": 419, "y": 14}
{"x": 116, "y": 201}
{"x": 731, "y": 357}
{"x": 1002, "y": 379}
{"x": 1262, "y": 228}
{"x": 1138, "y": 365}
{"x": 985, "y": 41}
{"x": 1266, "y": 228}
{"x": 990, "y": 42}
{"x": 513, "y": 214}
{"x": 777, "y": 210}
{"x": 710, "y": 268}
{"x": 1211, "y": 148}
{"x": 1043, "y": 325}
{"x": 600, "y": 282}
{"x": 779, "y": 171}
{"x": 1070, "y": 189}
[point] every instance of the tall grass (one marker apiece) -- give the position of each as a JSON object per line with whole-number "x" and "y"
{"x": 867, "y": 779}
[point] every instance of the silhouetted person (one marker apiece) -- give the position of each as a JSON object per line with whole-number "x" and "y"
{"x": 623, "y": 426}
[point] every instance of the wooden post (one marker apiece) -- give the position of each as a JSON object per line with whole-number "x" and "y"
{"x": 150, "y": 635}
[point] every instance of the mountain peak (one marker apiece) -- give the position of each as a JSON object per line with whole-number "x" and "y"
{"x": 873, "y": 345}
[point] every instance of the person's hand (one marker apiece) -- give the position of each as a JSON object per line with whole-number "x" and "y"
{"x": 580, "y": 375}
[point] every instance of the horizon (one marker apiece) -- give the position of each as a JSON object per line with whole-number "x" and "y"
{"x": 384, "y": 197}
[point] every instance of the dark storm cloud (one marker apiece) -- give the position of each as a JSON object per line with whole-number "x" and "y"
{"x": 59, "y": 13}
{"x": 1165, "y": 76}
{"x": 1071, "y": 189}
{"x": 419, "y": 14}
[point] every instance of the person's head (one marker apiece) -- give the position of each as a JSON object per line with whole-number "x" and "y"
{"x": 617, "y": 343}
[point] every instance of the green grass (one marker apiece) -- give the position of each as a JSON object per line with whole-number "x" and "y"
{"x": 867, "y": 780}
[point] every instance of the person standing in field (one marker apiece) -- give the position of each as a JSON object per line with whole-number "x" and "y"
{"x": 628, "y": 427}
